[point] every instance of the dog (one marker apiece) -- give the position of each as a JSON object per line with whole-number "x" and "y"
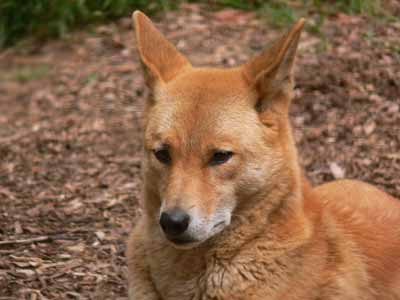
{"x": 227, "y": 211}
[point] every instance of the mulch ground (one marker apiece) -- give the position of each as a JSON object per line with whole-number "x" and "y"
{"x": 70, "y": 135}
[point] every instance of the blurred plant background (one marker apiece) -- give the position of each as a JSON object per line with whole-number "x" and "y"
{"x": 43, "y": 19}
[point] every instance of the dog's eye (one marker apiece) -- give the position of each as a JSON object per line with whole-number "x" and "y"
{"x": 220, "y": 157}
{"x": 163, "y": 155}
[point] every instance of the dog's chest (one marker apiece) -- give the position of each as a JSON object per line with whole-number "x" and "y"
{"x": 174, "y": 282}
{"x": 191, "y": 277}
{"x": 177, "y": 276}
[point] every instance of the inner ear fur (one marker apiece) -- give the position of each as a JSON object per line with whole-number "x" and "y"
{"x": 271, "y": 72}
{"x": 161, "y": 59}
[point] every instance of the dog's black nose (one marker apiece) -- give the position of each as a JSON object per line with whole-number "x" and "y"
{"x": 174, "y": 222}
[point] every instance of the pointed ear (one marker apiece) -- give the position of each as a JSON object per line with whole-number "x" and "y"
{"x": 271, "y": 72}
{"x": 161, "y": 59}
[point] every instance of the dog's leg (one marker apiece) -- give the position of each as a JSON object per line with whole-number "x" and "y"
{"x": 140, "y": 284}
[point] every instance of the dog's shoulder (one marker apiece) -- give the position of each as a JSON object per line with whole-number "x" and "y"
{"x": 358, "y": 196}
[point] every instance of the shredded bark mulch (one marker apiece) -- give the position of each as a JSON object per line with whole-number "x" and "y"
{"x": 70, "y": 135}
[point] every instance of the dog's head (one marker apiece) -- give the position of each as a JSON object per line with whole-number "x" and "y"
{"x": 214, "y": 138}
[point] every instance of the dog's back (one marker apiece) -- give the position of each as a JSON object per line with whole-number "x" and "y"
{"x": 369, "y": 218}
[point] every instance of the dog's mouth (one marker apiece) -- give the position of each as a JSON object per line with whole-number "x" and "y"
{"x": 219, "y": 225}
{"x": 183, "y": 243}
{"x": 189, "y": 241}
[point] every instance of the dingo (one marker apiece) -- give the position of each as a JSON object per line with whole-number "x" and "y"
{"x": 227, "y": 212}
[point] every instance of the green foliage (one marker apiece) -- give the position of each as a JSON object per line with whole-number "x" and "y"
{"x": 26, "y": 74}
{"x": 283, "y": 12}
{"x": 54, "y": 18}
{"x": 369, "y": 7}
{"x": 281, "y": 8}
{"x": 278, "y": 13}
{"x": 240, "y": 4}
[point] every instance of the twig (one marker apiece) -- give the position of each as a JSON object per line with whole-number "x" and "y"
{"x": 42, "y": 239}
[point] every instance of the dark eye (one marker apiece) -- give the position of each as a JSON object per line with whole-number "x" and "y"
{"x": 163, "y": 155}
{"x": 220, "y": 157}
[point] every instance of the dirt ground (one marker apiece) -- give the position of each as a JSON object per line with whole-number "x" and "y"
{"x": 70, "y": 135}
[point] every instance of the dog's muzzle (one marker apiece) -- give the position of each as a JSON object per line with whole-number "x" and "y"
{"x": 174, "y": 223}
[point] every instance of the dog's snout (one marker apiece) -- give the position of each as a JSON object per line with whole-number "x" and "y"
{"x": 174, "y": 222}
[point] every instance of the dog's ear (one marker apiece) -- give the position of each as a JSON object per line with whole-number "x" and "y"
{"x": 271, "y": 72}
{"x": 161, "y": 59}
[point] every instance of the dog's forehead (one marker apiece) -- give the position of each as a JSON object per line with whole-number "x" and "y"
{"x": 208, "y": 84}
{"x": 204, "y": 104}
